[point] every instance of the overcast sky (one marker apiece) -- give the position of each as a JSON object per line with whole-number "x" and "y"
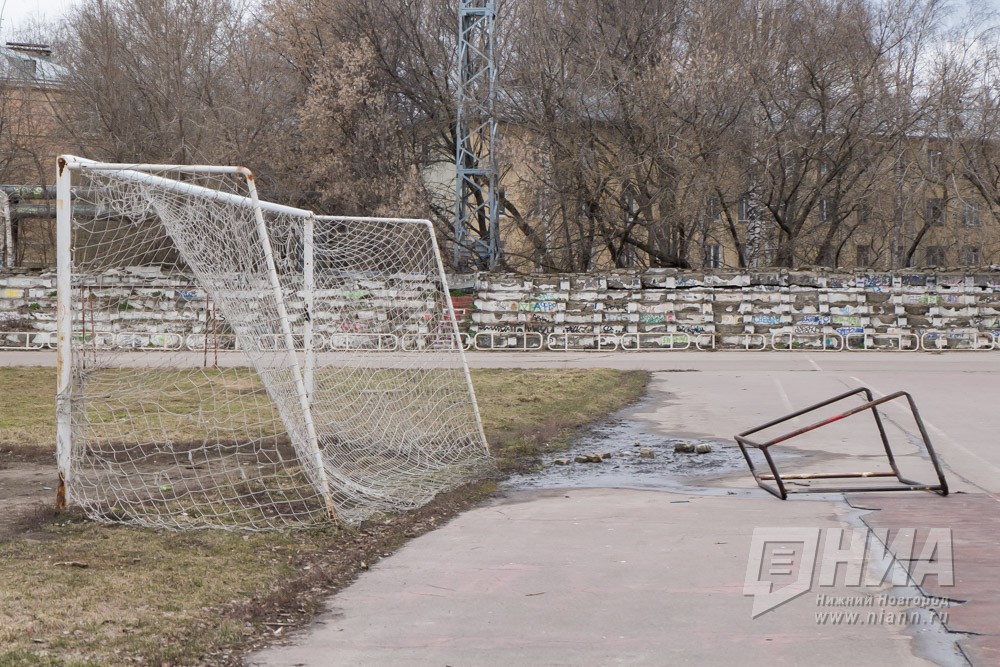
{"x": 17, "y": 12}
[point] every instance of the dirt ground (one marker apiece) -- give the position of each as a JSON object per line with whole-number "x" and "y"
{"x": 27, "y": 494}
{"x": 27, "y": 498}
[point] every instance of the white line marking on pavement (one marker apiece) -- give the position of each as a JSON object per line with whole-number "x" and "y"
{"x": 814, "y": 364}
{"x": 784, "y": 396}
{"x": 931, "y": 427}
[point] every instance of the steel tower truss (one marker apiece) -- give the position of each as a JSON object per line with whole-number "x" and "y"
{"x": 477, "y": 233}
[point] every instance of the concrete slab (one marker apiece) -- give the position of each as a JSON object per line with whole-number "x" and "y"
{"x": 982, "y": 650}
{"x": 974, "y": 521}
{"x": 587, "y": 577}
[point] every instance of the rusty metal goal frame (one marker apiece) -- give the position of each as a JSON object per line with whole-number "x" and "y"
{"x": 779, "y": 488}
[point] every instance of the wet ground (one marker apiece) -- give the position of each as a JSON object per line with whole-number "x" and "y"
{"x": 633, "y": 456}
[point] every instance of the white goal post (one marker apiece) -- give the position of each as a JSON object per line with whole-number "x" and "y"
{"x": 326, "y": 380}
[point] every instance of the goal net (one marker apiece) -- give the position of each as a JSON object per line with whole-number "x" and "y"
{"x": 228, "y": 362}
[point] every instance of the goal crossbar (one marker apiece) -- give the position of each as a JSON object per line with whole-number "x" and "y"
{"x": 357, "y": 463}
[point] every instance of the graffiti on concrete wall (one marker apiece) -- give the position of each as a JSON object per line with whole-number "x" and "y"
{"x": 921, "y": 299}
{"x": 521, "y": 306}
{"x": 657, "y": 313}
{"x": 594, "y": 304}
{"x": 654, "y": 308}
{"x": 588, "y": 284}
{"x": 878, "y": 282}
{"x": 951, "y": 282}
{"x": 538, "y": 307}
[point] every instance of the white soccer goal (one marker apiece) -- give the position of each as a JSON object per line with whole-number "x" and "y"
{"x": 229, "y": 362}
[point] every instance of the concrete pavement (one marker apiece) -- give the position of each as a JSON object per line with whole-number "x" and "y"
{"x": 613, "y": 576}
{"x": 586, "y": 577}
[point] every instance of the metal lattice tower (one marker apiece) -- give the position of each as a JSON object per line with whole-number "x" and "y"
{"x": 477, "y": 231}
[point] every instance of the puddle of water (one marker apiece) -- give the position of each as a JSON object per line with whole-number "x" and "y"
{"x": 625, "y": 439}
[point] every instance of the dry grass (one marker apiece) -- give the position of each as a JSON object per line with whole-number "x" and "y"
{"x": 155, "y": 597}
{"x": 27, "y": 411}
{"x": 141, "y": 593}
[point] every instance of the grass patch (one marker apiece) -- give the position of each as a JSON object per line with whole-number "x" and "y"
{"x": 27, "y": 412}
{"x": 157, "y": 597}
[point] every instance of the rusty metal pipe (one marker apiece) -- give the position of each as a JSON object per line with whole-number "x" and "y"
{"x": 778, "y": 487}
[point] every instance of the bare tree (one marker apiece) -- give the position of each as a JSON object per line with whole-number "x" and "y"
{"x": 373, "y": 107}
{"x": 816, "y": 128}
{"x": 635, "y": 132}
{"x": 970, "y": 113}
{"x": 175, "y": 81}
{"x": 29, "y": 86}
{"x": 25, "y": 121}
{"x": 598, "y": 154}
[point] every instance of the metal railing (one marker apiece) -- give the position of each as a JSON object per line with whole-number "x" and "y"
{"x": 526, "y": 341}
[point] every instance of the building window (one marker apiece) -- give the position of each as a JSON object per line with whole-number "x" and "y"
{"x": 713, "y": 256}
{"x": 972, "y": 255}
{"x": 934, "y": 162}
{"x": 936, "y": 256}
{"x": 28, "y": 66}
{"x": 745, "y": 209}
{"x": 713, "y": 208}
{"x": 935, "y": 213}
{"x": 970, "y": 214}
{"x": 790, "y": 163}
{"x": 863, "y": 256}
{"x": 626, "y": 257}
{"x": 630, "y": 207}
{"x": 824, "y": 211}
{"x": 864, "y": 214}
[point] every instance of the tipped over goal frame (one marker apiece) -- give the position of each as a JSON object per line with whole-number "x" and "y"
{"x": 312, "y": 419}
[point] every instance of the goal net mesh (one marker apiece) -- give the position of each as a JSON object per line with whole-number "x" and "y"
{"x": 243, "y": 365}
